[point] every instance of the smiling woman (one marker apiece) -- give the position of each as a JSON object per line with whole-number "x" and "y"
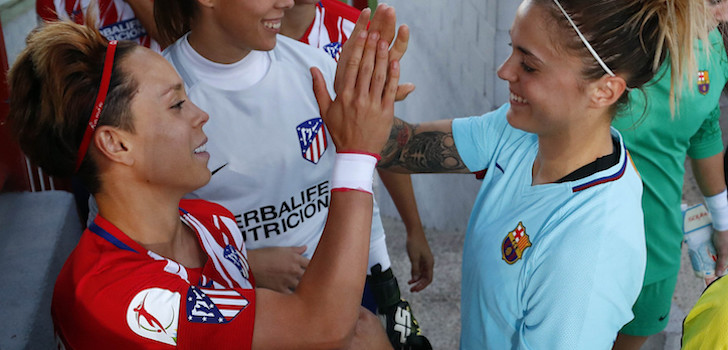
{"x": 154, "y": 271}
{"x": 554, "y": 254}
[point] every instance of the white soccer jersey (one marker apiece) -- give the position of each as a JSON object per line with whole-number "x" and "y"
{"x": 270, "y": 154}
{"x": 551, "y": 266}
{"x": 115, "y": 18}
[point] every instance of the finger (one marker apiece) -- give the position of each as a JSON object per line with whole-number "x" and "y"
{"x": 403, "y": 91}
{"x": 384, "y": 22}
{"x": 352, "y": 64}
{"x": 400, "y": 44}
{"x": 361, "y": 25}
{"x": 366, "y": 67}
{"x": 300, "y": 250}
{"x": 320, "y": 92}
{"x": 380, "y": 72}
{"x": 390, "y": 90}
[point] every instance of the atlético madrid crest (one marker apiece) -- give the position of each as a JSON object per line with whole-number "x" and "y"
{"x": 515, "y": 243}
{"x": 312, "y": 137}
{"x": 703, "y": 82}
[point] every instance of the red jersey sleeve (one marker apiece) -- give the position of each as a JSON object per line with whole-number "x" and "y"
{"x": 114, "y": 293}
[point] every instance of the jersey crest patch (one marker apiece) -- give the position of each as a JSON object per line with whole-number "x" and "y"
{"x": 333, "y": 49}
{"x": 515, "y": 243}
{"x": 214, "y": 305}
{"x": 234, "y": 256}
{"x": 312, "y": 137}
{"x": 703, "y": 82}
{"x": 154, "y": 314}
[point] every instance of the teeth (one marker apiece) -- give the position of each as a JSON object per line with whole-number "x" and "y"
{"x": 201, "y": 149}
{"x": 276, "y": 25}
{"x": 518, "y": 99}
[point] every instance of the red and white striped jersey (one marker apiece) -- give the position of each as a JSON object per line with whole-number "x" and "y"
{"x": 333, "y": 24}
{"x": 116, "y": 19}
{"x": 113, "y": 291}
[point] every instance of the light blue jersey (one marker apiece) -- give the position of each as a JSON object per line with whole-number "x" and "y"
{"x": 552, "y": 266}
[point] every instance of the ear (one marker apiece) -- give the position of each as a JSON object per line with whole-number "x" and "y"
{"x": 114, "y": 144}
{"x": 607, "y": 90}
{"x": 206, "y": 3}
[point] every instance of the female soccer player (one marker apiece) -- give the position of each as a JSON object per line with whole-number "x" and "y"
{"x": 554, "y": 253}
{"x": 157, "y": 272}
{"x": 256, "y": 86}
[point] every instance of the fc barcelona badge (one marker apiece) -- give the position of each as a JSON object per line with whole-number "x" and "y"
{"x": 312, "y": 137}
{"x": 515, "y": 243}
{"x": 703, "y": 82}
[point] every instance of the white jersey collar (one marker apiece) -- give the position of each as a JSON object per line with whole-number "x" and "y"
{"x": 234, "y": 76}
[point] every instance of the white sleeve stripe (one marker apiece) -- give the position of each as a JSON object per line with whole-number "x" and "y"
{"x": 206, "y": 237}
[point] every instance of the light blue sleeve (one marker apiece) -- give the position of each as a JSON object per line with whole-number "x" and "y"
{"x": 585, "y": 277}
{"x": 476, "y": 137}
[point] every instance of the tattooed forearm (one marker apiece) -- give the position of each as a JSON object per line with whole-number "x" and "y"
{"x": 421, "y": 152}
{"x": 398, "y": 137}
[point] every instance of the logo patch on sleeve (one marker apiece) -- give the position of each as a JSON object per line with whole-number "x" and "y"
{"x": 515, "y": 243}
{"x": 312, "y": 137}
{"x": 214, "y": 305}
{"x": 235, "y": 257}
{"x": 154, "y": 314}
{"x": 703, "y": 82}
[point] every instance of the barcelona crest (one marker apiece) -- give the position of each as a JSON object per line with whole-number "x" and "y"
{"x": 703, "y": 82}
{"x": 515, "y": 243}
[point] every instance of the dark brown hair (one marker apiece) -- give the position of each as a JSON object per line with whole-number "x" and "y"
{"x": 53, "y": 87}
{"x": 173, "y": 19}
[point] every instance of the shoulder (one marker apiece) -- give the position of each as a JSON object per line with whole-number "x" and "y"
{"x": 287, "y": 48}
{"x": 490, "y": 128}
{"x": 199, "y": 207}
{"x": 340, "y": 9}
{"x": 295, "y": 53}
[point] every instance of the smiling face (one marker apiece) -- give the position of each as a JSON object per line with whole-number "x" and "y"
{"x": 168, "y": 141}
{"x": 249, "y": 24}
{"x": 547, "y": 92}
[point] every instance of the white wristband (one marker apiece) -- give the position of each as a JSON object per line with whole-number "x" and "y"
{"x": 718, "y": 208}
{"x": 353, "y": 171}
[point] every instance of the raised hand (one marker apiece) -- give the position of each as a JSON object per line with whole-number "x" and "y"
{"x": 360, "y": 118}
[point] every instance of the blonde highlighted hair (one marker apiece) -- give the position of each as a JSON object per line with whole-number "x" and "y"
{"x": 634, "y": 37}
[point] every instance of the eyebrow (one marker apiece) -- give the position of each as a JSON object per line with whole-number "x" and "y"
{"x": 526, "y": 52}
{"x": 173, "y": 88}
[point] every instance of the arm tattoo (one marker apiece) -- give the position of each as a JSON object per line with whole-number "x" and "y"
{"x": 420, "y": 152}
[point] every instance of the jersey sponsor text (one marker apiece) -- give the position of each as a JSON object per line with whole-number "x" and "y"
{"x": 267, "y": 220}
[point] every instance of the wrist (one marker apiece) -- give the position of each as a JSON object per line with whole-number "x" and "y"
{"x": 718, "y": 208}
{"x": 353, "y": 171}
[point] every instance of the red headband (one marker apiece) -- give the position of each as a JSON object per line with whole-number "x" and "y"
{"x": 99, "y": 105}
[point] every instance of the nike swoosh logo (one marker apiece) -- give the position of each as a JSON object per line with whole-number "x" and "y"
{"x": 218, "y": 169}
{"x": 663, "y": 317}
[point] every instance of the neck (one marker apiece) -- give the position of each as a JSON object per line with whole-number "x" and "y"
{"x": 151, "y": 218}
{"x": 560, "y": 155}
{"x": 297, "y": 20}
{"x": 212, "y": 43}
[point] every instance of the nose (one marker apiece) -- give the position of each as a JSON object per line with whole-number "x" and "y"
{"x": 284, "y": 4}
{"x": 201, "y": 117}
{"x": 506, "y": 70}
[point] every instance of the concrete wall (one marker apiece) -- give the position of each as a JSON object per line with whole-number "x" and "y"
{"x": 454, "y": 52}
{"x": 18, "y": 19}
